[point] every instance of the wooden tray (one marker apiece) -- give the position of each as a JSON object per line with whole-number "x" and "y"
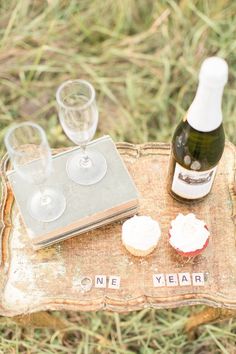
{"x": 48, "y": 279}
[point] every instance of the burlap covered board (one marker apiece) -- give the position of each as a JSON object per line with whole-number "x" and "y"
{"x": 49, "y": 279}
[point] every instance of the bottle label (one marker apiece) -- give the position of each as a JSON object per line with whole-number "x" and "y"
{"x": 192, "y": 184}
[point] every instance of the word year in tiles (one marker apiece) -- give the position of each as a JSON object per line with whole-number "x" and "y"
{"x": 181, "y": 279}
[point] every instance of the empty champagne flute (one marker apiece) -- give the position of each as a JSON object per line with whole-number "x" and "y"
{"x": 31, "y": 157}
{"x": 78, "y": 116}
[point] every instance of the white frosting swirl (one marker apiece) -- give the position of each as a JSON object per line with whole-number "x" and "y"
{"x": 141, "y": 232}
{"x": 188, "y": 233}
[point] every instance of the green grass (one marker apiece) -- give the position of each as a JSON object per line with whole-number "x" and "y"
{"x": 143, "y": 58}
{"x": 143, "y": 332}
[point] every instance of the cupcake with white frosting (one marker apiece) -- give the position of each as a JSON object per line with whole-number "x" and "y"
{"x": 140, "y": 235}
{"x": 188, "y": 235}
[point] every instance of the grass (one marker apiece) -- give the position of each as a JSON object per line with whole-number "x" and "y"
{"x": 143, "y": 58}
{"x": 144, "y": 332}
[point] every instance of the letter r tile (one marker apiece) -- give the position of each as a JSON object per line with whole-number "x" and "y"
{"x": 198, "y": 279}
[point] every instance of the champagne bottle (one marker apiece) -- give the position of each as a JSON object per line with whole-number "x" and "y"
{"x": 198, "y": 141}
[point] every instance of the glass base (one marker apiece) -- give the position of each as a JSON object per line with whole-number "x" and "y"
{"x": 87, "y": 173}
{"x": 48, "y": 206}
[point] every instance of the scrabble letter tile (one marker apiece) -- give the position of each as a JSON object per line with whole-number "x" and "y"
{"x": 100, "y": 281}
{"x": 114, "y": 282}
{"x": 158, "y": 280}
{"x": 198, "y": 279}
{"x": 184, "y": 279}
{"x": 172, "y": 280}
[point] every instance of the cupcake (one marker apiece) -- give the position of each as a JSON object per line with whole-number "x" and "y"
{"x": 188, "y": 235}
{"x": 140, "y": 235}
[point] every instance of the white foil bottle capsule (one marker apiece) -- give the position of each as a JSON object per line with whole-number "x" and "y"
{"x": 207, "y": 103}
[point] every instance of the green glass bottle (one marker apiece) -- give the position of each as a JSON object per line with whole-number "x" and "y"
{"x": 198, "y": 141}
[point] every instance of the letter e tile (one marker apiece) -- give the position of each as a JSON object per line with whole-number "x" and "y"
{"x": 172, "y": 280}
{"x": 114, "y": 282}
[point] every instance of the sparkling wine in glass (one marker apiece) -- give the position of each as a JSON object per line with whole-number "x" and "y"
{"x": 78, "y": 116}
{"x": 31, "y": 157}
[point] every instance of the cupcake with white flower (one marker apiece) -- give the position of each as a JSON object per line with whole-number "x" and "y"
{"x": 188, "y": 235}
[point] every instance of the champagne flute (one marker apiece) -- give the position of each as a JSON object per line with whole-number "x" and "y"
{"x": 78, "y": 116}
{"x": 31, "y": 157}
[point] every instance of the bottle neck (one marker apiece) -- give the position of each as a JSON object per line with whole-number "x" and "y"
{"x": 205, "y": 113}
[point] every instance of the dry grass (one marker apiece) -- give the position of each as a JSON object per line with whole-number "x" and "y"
{"x": 143, "y": 332}
{"x": 142, "y": 57}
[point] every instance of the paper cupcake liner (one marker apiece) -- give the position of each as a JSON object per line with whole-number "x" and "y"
{"x": 192, "y": 253}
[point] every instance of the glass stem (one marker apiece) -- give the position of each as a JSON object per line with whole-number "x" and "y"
{"x": 84, "y": 160}
{"x": 45, "y": 199}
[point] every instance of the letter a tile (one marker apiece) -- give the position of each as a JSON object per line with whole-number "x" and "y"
{"x": 184, "y": 279}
